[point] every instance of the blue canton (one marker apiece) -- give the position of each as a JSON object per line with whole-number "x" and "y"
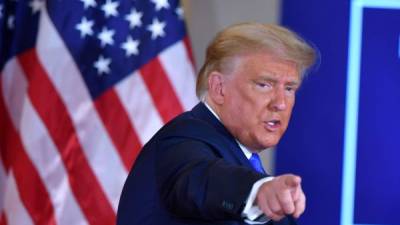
{"x": 108, "y": 39}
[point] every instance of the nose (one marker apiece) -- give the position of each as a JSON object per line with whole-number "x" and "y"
{"x": 278, "y": 101}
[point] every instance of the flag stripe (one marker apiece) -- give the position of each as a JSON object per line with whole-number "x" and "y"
{"x": 36, "y": 200}
{"x": 189, "y": 50}
{"x": 3, "y": 179}
{"x": 181, "y": 75}
{"x": 14, "y": 90}
{"x": 135, "y": 96}
{"x": 4, "y": 163}
{"x": 31, "y": 129}
{"x": 80, "y": 109}
{"x": 67, "y": 80}
{"x": 161, "y": 90}
{"x": 118, "y": 125}
{"x": 53, "y": 113}
{"x": 15, "y": 212}
{"x": 50, "y": 168}
{"x": 3, "y": 219}
{"x": 37, "y": 144}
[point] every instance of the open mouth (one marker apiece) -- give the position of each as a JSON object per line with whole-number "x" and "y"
{"x": 273, "y": 125}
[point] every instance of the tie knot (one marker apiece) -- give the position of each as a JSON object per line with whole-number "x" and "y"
{"x": 256, "y": 163}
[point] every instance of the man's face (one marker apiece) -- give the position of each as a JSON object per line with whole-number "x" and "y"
{"x": 258, "y": 97}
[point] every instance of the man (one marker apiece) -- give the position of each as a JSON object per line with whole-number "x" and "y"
{"x": 203, "y": 167}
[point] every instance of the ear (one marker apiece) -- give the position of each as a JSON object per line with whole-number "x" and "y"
{"x": 216, "y": 82}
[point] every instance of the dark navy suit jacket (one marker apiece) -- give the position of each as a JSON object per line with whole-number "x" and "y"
{"x": 191, "y": 172}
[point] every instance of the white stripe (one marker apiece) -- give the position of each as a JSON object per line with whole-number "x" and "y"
{"x": 13, "y": 98}
{"x": 14, "y": 90}
{"x": 10, "y": 200}
{"x": 139, "y": 105}
{"x": 3, "y": 179}
{"x": 179, "y": 69}
{"x": 13, "y": 207}
{"x": 65, "y": 76}
{"x": 43, "y": 153}
{"x": 40, "y": 148}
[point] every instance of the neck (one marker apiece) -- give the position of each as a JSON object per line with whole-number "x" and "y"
{"x": 213, "y": 107}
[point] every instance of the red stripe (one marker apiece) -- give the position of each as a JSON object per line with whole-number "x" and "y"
{"x": 3, "y": 219}
{"x": 118, "y": 125}
{"x": 188, "y": 46}
{"x": 32, "y": 190}
{"x": 3, "y": 156}
{"x": 54, "y": 114}
{"x": 3, "y": 133}
{"x": 161, "y": 90}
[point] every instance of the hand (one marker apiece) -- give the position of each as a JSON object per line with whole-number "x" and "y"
{"x": 281, "y": 196}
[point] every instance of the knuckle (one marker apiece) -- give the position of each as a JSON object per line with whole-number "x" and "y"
{"x": 275, "y": 210}
{"x": 269, "y": 214}
{"x": 286, "y": 202}
{"x": 289, "y": 208}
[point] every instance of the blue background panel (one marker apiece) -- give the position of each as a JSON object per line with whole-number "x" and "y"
{"x": 377, "y": 193}
{"x": 312, "y": 147}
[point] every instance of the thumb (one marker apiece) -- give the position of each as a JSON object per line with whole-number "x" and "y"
{"x": 292, "y": 181}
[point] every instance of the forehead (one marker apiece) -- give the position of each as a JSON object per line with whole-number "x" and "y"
{"x": 265, "y": 65}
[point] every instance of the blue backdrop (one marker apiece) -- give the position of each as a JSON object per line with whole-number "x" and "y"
{"x": 342, "y": 137}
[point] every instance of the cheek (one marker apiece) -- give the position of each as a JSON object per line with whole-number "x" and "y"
{"x": 286, "y": 119}
{"x": 290, "y": 107}
{"x": 246, "y": 105}
{"x": 242, "y": 104}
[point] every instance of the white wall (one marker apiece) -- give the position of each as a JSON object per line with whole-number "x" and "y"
{"x": 206, "y": 17}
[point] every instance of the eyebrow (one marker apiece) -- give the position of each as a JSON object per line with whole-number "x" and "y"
{"x": 272, "y": 78}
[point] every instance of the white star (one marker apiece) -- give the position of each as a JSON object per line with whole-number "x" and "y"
{"x": 1, "y": 11}
{"x": 36, "y": 5}
{"x": 130, "y": 46}
{"x": 179, "y": 12}
{"x": 110, "y": 8}
{"x": 102, "y": 65}
{"x": 85, "y": 27}
{"x": 160, "y": 4}
{"x": 106, "y": 37}
{"x": 156, "y": 29}
{"x": 134, "y": 18}
{"x": 10, "y": 22}
{"x": 89, "y": 3}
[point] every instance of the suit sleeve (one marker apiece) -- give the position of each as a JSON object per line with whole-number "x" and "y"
{"x": 195, "y": 182}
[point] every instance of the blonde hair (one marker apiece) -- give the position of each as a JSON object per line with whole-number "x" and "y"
{"x": 253, "y": 37}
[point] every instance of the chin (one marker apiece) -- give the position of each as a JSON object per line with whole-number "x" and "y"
{"x": 263, "y": 145}
{"x": 266, "y": 140}
{"x": 269, "y": 143}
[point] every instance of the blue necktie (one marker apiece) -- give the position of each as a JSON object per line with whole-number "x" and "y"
{"x": 256, "y": 163}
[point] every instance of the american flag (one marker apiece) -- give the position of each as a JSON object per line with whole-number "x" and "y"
{"x": 84, "y": 84}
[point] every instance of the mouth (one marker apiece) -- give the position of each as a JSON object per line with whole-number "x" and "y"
{"x": 272, "y": 125}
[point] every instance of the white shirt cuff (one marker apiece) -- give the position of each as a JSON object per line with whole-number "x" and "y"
{"x": 251, "y": 213}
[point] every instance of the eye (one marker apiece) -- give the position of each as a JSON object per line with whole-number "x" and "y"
{"x": 291, "y": 89}
{"x": 263, "y": 85}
